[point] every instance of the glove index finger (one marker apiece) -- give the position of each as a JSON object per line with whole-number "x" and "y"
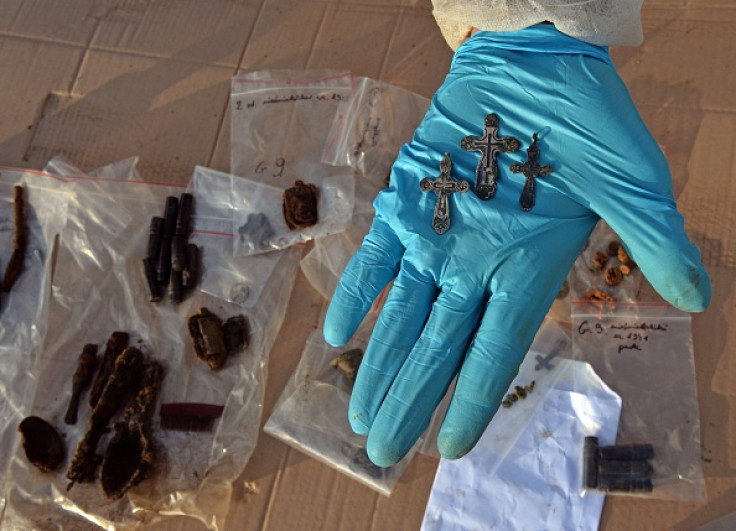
{"x": 370, "y": 269}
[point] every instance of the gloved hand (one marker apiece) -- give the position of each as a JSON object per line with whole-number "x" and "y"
{"x": 469, "y": 302}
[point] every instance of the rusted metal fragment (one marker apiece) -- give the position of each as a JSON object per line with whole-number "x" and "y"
{"x": 43, "y": 445}
{"x": 130, "y": 452}
{"x": 348, "y": 363}
{"x": 86, "y": 364}
{"x": 300, "y": 205}
{"x": 205, "y": 329}
{"x": 598, "y": 295}
{"x": 15, "y": 265}
{"x": 123, "y": 378}
{"x": 235, "y": 334}
{"x": 115, "y": 346}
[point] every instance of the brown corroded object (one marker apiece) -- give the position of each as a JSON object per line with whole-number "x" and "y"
{"x": 235, "y": 334}
{"x": 613, "y": 247}
{"x": 205, "y": 329}
{"x": 348, "y": 363}
{"x": 519, "y": 392}
{"x": 598, "y": 295}
{"x": 300, "y": 205}
{"x": 627, "y": 268}
{"x": 15, "y": 264}
{"x": 115, "y": 346}
{"x": 613, "y": 276}
{"x": 130, "y": 453}
{"x": 564, "y": 289}
{"x": 599, "y": 261}
{"x": 43, "y": 445}
{"x": 123, "y": 378}
{"x": 82, "y": 377}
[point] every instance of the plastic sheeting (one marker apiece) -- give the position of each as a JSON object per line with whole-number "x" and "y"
{"x": 97, "y": 289}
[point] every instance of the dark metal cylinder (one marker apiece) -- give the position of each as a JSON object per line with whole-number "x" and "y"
{"x": 185, "y": 213}
{"x": 163, "y": 267}
{"x": 627, "y": 452}
{"x": 640, "y": 468}
{"x": 590, "y": 463}
{"x": 149, "y": 273}
{"x": 155, "y": 235}
{"x": 176, "y": 289}
{"x": 179, "y": 252}
{"x": 624, "y": 484}
{"x": 171, "y": 210}
{"x": 191, "y": 272}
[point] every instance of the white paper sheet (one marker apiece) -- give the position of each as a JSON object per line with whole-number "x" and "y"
{"x": 526, "y": 471}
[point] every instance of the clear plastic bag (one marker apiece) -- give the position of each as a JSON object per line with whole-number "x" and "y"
{"x": 367, "y": 134}
{"x": 259, "y": 220}
{"x": 644, "y": 352}
{"x": 506, "y": 478}
{"x": 536, "y": 440}
{"x": 324, "y": 263}
{"x": 311, "y": 414}
{"x": 236, "y": 279}
{"x": 372, "y": 125}
{"x": 23, "y": 311}
{"x": 122, "y": 170}
{"x": 22, "y": 321}
{"x": 279, "y": 123}
{"x": 98, "y": 288}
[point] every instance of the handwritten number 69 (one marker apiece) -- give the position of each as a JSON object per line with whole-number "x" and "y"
{"x": 278, "y": 167}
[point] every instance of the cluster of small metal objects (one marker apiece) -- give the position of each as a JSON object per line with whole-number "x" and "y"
{"x": 489, "y": 144}
{"x": 170, "y": 259}
{"x": 612, "y": 275}
{"x": 519, "y": 392}
{"x": 130, "y": 451}
{"x": 624, "y": 468}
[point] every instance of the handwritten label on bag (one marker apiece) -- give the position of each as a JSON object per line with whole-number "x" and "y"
{"x": 244, "y": 105}
{"x": 627, "y": 335}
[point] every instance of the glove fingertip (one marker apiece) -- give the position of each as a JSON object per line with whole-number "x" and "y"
{"x": 696, "y": 298}
{"x": 334, "y": 336}
{"x": 454, "y": 445}
{"x": 341, "y": 321}
{"x": 385, "y": 453}
{"x": 358, "y": 422}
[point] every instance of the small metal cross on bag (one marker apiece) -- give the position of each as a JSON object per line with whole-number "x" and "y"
{"x": 489, "y": 144}
{"x": 530, "y": 169}
{"x": 443, "y": 186}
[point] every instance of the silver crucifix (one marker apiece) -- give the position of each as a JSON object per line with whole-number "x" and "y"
{"x": 489, "y": 144}
{"x": 530, "y": 169}
{"x": 443, "y": 186}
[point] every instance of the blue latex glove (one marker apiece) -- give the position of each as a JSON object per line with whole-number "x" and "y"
{"x": 470, "y": 301}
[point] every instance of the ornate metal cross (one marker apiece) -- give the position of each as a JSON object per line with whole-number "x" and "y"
{"x": 530, "y": 169}
{"x": 443, "y": 186}
{"x": 489, "y": 144}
